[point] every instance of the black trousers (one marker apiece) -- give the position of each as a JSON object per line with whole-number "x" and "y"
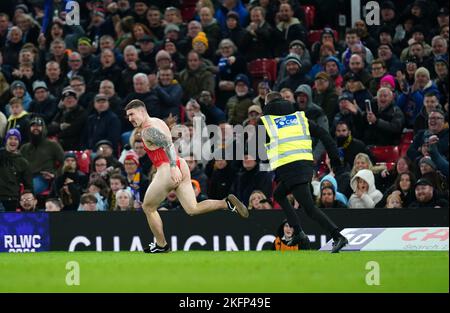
{"x": 302, "y": 193}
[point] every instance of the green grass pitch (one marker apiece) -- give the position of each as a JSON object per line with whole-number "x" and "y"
{"x": 206, "y": 271}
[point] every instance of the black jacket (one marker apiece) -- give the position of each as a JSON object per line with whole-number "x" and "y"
{"x": 45, "y": 109}
{"x": 14, "y": 170}
{"x": 248, "y": 181}
{"x": 387, "y": 129}
{"x": 101, "y": 126}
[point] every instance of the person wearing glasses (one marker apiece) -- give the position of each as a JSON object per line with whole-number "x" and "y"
{"x": 28, "y": 202}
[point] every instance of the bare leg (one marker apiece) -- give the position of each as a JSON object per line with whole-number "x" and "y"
{"x": 186, "y": 195}
{"x": 156, "y": 193}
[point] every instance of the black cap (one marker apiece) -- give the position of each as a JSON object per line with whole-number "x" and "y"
{"x": 388, "y": 5}
{"x": 352, "y": 77}
{"x": 146, "y": 38}
{"x": 37, "y": 121}
{"x": 412, "y": 59}
{"x": 346, "y": 95}
{"x": 423, "y": 182}
{"x": 443, "y": 11}
{"x": 103, "y": 142}
{"x": 100, "y": 96}
{"x": 418, "y": 29}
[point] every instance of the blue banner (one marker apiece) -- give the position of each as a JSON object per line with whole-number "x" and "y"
{"x": 23, "y": 232}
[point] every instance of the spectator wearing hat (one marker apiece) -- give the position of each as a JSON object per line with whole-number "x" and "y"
{"x": 44, "y": 104}
{"x": 196, "y": 78}
{"x": 103, "y": 123}
{"x": 324, "y": 95}
{"x": 355, "y": 85}
{"x": 154, "y": 22}
{"x": 295, "y": 75}
{"x": 328, "y": 39}
{"x": 105, "y": 148}
{"x": 211, "y": 28}
{"x": 441, "y": 81}
{"x": 442, "y": 20}
{"x": 137, "y": 180}
{"x": 332, "y": 67}
{"x": 148, "y": 51}
{"x": 43, "y": 155}
{"x": 427, "y": 197}
{"x": 388, "y": 14}
{"x": 14, "y": 171}
{"x": 84, "y": 47}
{"x": 254, "y": 114}
{"x": 69, "y": 184}
{"x": 234, "y": 31}
{"x": 304, "y": 102}
{"x": 163, "y": 60}
{"x": 287, "y": 29}
{"x": 235, "y": 6}
{"x": 19, "y": 118}
{"x": 200, "y": 44}
{"x": 69, "y": 122}
{"x": 85, "y": 97}
{"x": 298, "y": 48}
{"x": 385, "y": 125}
{"x": 257, "y": 38}
{"x": 327, "y": 199}
{"x": 386, "y": 53}
{"x": 428, "y": 169}
{"x": 411, "y": 101}
{"x": 19, "y": 91}
{"x": 172, "y": 32}
{"x": 178, "y": 60}
{"x": 239, "y": 104}
{"x": 140, "y": 11}
{"x": 351, "y": 114}
{"x": 436, "y": 126}
{"x": 365, "y": 194}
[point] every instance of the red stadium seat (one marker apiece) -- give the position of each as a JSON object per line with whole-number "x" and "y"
{"x": 310, "y": 15}
{"x": 385, "y": 153}
{"x": 188, "y": 14}
{"x": 407, "y": 137}
{"x": 403, "y": 148}
{"x": 263, "y": 67}
{"x": 314, "y": 35}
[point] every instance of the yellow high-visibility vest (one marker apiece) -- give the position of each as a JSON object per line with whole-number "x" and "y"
{"x": 290, "y": 139}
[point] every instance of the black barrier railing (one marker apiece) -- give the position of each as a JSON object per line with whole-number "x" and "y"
{"x": 128, "y": 231}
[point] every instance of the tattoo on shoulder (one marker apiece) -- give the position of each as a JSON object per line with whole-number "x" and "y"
{"x": 156, "y": 137}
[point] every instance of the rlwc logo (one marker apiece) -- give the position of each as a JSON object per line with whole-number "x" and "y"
{"x": 22, "y": 243}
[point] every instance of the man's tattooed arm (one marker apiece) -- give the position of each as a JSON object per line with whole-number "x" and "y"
{"x": 156, "y": 137}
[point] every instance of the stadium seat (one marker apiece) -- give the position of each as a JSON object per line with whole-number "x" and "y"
{"x": 310, "y": 15}
{"x": 407, "y": 137}
{"x": 385, "y": 153}
{"x": 403, "y": 148}
{"x": 263, "y": 67}
{"x": 314, "y": 36}
{"x": 188, "y": 13}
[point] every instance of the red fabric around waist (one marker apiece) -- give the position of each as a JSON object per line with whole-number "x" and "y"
{"x": 159, "y": 156}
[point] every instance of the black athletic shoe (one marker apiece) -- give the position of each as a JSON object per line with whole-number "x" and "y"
{"x": 300, "y": 239}
{"x": 154, "y": 248}
{"x": 235, "y": 205}
{"x": 339, "y": 244}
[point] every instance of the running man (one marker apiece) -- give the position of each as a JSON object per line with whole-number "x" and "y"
{"x": 172, "y": 173}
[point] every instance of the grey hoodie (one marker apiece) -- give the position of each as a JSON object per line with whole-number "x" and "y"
{"x": 315, "y": 113}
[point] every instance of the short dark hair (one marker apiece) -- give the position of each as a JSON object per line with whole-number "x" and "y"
{"x": 352, "y": 31}
{"x": 431, "y": 94}
{"x": 343, "y": 122}
{"x": 438, "y": 111}
{"x": 134, "y": 104}
{"x": 120, "y": 177}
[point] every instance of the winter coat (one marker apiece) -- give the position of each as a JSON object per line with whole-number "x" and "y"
{"x": 102, "y": 126}
{"x": 238, "y": 108}
{"x": 194, "y": 82}
{"x": 387, "y": 129}
{"x": 14, "y": 170}
{"x": 369, "y": 199}
{"x": 339, "y": 196}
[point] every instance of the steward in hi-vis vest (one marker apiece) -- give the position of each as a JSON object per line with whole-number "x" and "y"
{"x": 289, "y": 150}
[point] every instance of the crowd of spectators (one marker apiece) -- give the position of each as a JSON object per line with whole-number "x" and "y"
{"x": 66, "y": 143}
